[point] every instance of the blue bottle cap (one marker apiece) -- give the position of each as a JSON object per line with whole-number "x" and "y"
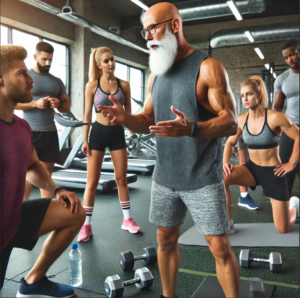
{"x": 74, "y": 246}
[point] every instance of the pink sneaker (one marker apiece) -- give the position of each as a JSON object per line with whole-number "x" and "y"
{"x": 85, "y": 233}
{"x": 130, "y": 225}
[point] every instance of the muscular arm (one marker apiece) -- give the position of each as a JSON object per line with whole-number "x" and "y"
{"x": 279, "y": 98}
{"x": 64, "y": 102}
{"x": 37, "y": 174}
{"x": 214, "y": 78}
{"x": 25, "y": 106}
{"x": 232, "y": 141}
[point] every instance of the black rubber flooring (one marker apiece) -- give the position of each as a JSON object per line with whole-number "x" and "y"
{"x": 101, "y": 254}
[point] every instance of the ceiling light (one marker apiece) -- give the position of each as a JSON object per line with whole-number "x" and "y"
{"x": 140, "y": 4}
{"x": 271, "y": 70}
{"x": 267, "y": 66}
{"x": 259, "y": 53}
{"x": 274, "y": 75}
{"x": 250, "y": 37}
{"x": 234, "y": 9}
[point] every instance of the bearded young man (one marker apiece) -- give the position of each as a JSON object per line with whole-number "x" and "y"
{"x": 48, "y": 93}
{"x": 22, "y": 223}
{"x": 189, "y": 107}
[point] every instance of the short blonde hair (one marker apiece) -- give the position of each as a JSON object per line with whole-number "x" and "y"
{"x": 95, "y": 72}
{"x": 258, "y": 85}
{"x": 9, "y": 53}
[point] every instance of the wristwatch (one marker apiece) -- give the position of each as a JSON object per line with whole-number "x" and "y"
{"x": 195, "y": 130}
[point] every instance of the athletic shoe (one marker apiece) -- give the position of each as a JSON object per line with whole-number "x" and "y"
{"x": 294, "y": 203}
{"x": 232, "y": 229}
{"x": 44, "y": 288}
{"x": 85, "y": 233}
{"x": 130, "y": 225}
{"x": 247, "y": 202}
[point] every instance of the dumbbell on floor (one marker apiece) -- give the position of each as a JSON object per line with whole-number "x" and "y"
{"x": 127, "y": 259}
{"x": 114, "y": 287}
{"x": 274, "y": 260}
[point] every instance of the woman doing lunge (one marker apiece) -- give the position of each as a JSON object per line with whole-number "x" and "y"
{"x": 103, "y": 83}
{"x": 261, "y": 129}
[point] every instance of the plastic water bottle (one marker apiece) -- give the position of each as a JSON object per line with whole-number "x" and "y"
{"x": 75, "y": 266}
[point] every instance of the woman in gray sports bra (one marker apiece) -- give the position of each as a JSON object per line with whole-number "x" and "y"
{"x": 261, "y": 129}
{"x": 104, "y": 134}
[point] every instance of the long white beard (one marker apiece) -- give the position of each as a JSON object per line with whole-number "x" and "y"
{"x": 162, "y": 58}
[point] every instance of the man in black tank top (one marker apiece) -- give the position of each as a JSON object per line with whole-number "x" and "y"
{"x": 189, "y": 113}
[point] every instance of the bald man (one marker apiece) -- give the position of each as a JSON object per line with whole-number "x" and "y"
{"x": 190, "y": 107}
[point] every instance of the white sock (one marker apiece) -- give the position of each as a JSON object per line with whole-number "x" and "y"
{"x": 88, "y": 212}
{"x": 126, "y": 209}
{"x": 244, "y": 194}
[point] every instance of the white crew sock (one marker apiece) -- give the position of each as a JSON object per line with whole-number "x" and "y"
{"x": 125, "y": 208}
{"x": 244, "y": 194}
{"x": 88, "y": 212}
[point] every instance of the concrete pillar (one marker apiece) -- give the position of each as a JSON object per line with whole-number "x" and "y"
{"x": 79, "y": 63}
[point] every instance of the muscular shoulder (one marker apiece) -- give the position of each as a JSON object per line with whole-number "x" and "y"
{"x": 278, "y": 118}
{"x": 150, "y": 82}
{"x": 24, "y": 124}
{"x": 212, "y": 72}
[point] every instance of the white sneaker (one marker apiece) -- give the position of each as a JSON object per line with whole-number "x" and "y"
{"x": 294, "y": 203}
{"x": 232, "y": 230}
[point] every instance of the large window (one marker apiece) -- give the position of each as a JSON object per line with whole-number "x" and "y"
{"x": 4, "y": 35}
{"x": 60, "y": 64}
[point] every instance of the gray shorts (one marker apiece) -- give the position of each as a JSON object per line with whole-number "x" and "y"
{"x": 207, "y": 206}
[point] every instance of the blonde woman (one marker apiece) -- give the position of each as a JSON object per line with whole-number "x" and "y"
{"x": 261, "y": 129}
{"x": 103, "y": 83}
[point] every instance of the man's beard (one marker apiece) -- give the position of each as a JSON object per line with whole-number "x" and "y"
{"x": 43, "y": 69}
{"x": 17, "y": 95}
{"x": 162, "y": 58}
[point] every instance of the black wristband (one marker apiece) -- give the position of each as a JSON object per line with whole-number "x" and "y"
{"x": 57, "y": 190}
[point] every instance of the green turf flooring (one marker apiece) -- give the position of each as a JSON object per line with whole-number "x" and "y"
{"x": 101, "y": 253}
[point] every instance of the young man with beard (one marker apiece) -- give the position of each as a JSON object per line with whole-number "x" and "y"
{"x": 22, "y": 223}
{"x": 48, "y": 93}
{"x": 286, "y": 88}
{"x": 190, "y": 107}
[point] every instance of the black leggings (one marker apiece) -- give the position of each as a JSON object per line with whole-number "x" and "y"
{"x": 103, "y": 136}
{"x": 285, "y": 152}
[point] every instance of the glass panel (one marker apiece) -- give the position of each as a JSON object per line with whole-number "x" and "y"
{"x": 136, "y": 94}
{"x": 27, "y": 41}
{"x": 121, "y": 71}
{"x": 19, "y": 113}
{"x": 135, "y": 77}
{"x": 4, "y": 35}
{"x": 59, "y": 71}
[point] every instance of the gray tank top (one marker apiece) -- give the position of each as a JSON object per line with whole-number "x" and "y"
{"x": 266, "y": 139}
{"x": 184, "y": 163}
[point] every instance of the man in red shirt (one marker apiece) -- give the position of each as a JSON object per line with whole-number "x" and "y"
{"x": 22, "y": 223}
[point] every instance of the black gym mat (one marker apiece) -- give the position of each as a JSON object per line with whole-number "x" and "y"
{"x": 210, "y": 288}
{"x": 249, "y": 235}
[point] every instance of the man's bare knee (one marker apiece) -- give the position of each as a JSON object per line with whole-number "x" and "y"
{"x": 167, "y": 238}
{"x": 219, "y": 247}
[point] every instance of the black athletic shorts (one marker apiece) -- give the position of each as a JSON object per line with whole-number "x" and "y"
{"x": 285, "y": 151}
{"x": 46, "y": 145}
{"x": 103, "y": 136}
{"x": 33, "y": 213}
{"x": 273, "y": 186}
